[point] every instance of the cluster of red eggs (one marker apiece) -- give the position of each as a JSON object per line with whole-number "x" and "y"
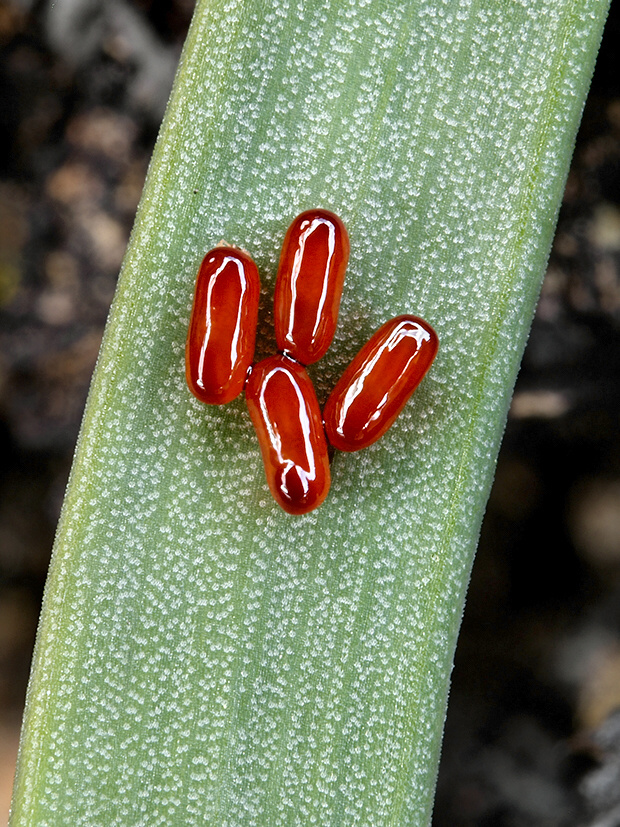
{"x": 292, "y": 433}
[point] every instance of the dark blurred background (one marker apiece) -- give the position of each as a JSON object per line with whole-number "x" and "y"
{"x": 533, "y": 732}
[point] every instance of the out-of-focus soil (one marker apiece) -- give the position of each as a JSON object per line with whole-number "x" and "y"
{"x": 533, "y": 732}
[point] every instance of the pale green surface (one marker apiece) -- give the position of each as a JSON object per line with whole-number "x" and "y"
{"x": 204, "y": 658}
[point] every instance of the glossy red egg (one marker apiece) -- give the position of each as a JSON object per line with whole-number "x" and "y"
{"x": 287, "y": 419}
{"x": 222, "y": 329}
{"x": 309, "y": 284}
{"x": 375, "y": 387}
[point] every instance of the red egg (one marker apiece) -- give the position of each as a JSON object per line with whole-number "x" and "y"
{"x": 309, "y": 284}
{"x": 222, "y": 328}
{"x": 375, "y": 387}
{"x": 287, "y": 419}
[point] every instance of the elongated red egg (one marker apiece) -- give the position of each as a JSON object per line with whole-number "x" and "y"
{"x": 375, "y": 387}
{"x": 309, "y": 284}
{"x": 287, "y": 419}
{"x": 222, "y": 329}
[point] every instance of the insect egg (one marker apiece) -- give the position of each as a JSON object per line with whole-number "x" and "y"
{"x": 222, "y": 328}
{"x": 287, "y": 419}
{"x": 375, "y": 387}
{"x": 309, "y": 284}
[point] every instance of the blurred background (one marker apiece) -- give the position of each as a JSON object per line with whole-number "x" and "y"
{"x": 533, "y": 731}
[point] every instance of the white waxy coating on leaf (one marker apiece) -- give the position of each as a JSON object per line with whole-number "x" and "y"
{"x": 205, "y": 658}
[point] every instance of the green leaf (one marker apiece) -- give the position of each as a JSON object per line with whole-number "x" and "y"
{"x": 203, "y": 657}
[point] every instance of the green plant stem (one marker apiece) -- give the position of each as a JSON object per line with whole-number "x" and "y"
{"x": 202, "y": 657}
